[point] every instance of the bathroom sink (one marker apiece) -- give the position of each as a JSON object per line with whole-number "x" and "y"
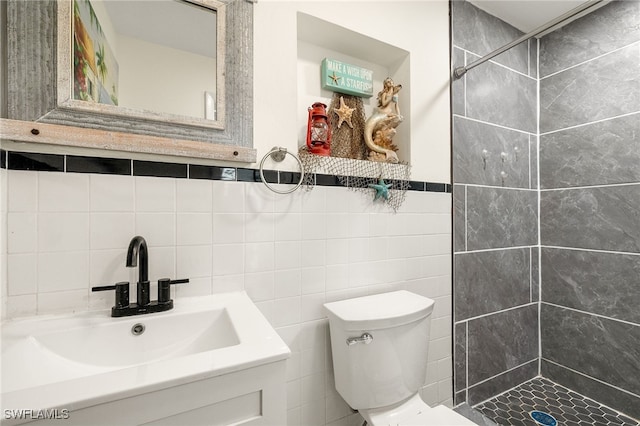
{"x": 138, "y": 339}
{"x": 88, "y": 358}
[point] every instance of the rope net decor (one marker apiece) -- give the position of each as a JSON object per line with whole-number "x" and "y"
{"x": 347, "y": 139}
{"x": 357, "y": 175}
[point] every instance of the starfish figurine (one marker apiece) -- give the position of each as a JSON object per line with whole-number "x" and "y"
{"x": 335, "y": 78}
{"x": 344, "y": 113}
{"x": 382, "y": 189}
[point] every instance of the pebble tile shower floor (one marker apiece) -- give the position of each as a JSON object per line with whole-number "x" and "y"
{"x": 566, "y": 406}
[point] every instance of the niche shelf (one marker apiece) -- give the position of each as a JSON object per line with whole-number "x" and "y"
{"x": 318, "y": 39}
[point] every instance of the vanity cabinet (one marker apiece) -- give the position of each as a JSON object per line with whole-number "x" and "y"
{"x": 255, "y": 396}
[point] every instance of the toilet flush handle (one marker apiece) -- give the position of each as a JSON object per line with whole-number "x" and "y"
{"x": 366, "y": 338}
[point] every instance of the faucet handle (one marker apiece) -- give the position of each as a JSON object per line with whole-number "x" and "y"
{"x": 103, "y": 288}
{"x": 122, "y": 293}
{"x": 164, "y": 288}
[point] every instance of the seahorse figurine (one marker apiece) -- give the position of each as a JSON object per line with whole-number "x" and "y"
{"x": 381, "y": 125}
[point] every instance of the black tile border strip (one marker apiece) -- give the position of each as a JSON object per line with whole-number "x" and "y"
{"x": 109, "y": 166}
{"x": 157, "y": 169}
{"x": 328, "y": 180}
{"x": 197, "y": 171}
{"x": 289, "y": 178}
{"x": 14, "y": 160}
{"x": 35, "y": 162}
{"x": 253, "y": 175}
{"x": 417, "y": 186}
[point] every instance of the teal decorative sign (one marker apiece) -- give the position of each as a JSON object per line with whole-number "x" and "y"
{"x": 345, "y": 78}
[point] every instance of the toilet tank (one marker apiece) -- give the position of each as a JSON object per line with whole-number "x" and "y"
{"x": 392, "y": 366}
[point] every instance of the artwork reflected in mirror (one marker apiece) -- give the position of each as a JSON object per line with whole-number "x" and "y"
{"x": 95, "y": 69}
{"x": 155, "y": 55}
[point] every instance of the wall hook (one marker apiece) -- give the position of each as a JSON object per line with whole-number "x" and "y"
{"x": 485, "y": 155}
{"x": 504, "y": 176}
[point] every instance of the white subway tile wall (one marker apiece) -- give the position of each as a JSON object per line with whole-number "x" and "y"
{"x": 291, "y": 254}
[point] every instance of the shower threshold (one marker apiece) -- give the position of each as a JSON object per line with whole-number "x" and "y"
{"x": 521, "y": 405}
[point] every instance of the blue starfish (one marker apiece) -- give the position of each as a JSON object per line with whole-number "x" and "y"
{"x": 382, "y": 189}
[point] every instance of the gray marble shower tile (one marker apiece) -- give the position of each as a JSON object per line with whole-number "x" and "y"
{"x": 502, "y": 383}
{"x": 608, "y": 395}
{"x": 601, "y": 283}
{"x": 481, "y": 33}
{"x": 459, "y": 219}
{"x": 533, "y": 57}
{"x": 460, "y": 397}
{"x": 609, "y": 28}
{"x": 501, "y": 342}
{"x": 535, "y": 274}
{"x": 604, "y": 218}
{"x": 503, "y": 97}
{"x": 533, "y": 161}
{"x": 460, "y": 357}
{"x": 602, "y": 348}
{"x": 605, "y": 152}
{"x": 491, "y": 281}
{"x": 472, "y": 165}
{"x": 457, "y": 86}
{"x": 501, "y": 217}
{"x": 606, "y": 87}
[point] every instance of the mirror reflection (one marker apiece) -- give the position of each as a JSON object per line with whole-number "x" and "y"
{"x": 154, "y": 55}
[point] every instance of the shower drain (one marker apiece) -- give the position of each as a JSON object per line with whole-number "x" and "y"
{"x": 542, "y": 418}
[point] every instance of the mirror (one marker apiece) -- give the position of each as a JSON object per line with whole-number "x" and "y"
{"x": 157, "y": 56}
{"x": 84, "y": 63}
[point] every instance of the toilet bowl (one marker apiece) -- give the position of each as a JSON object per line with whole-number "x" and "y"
{"x": 379, "y": 345}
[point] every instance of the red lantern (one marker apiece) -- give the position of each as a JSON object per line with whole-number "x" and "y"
{"x": 318, "y": 130}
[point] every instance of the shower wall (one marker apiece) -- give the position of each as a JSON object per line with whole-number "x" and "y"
{"x": 495, "y": 208}
{"x": 576, "y": 281}
{"x": 590, "y": 205}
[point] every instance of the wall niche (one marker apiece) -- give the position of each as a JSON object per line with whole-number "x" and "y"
{"x": 318, "y": 39}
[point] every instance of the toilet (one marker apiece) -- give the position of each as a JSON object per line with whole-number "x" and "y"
{"x": 379, "y": 345}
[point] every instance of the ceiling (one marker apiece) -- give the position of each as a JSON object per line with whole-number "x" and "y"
{"x": 527, "y": 15}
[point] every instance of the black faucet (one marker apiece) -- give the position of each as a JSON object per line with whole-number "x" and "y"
{"x": 138, "y": 249}
{"x": 137, "y": 252}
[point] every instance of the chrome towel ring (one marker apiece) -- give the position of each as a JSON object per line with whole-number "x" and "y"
{"x": 278, "y": 154}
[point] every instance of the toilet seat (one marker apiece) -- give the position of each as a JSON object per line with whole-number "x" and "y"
{"x": 414, "y": 412}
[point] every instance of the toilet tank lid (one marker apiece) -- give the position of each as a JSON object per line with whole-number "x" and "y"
{"x": 379, "y": 310}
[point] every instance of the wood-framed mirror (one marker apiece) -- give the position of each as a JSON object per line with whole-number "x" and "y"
{"x": 46, "y": 39}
